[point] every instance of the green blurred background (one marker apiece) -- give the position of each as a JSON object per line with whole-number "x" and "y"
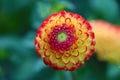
{"x": 19, "y": 20}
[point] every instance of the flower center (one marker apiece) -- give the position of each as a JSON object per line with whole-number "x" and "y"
{"x": 62, "y": 36}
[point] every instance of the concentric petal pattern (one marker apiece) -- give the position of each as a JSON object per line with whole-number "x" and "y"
{"x": 64, "y": 41}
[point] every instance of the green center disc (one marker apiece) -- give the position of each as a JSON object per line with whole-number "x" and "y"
{"x": 62, "y": 36}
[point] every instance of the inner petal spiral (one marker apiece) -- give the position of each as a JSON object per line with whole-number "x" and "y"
{"x": 61, "y": 38}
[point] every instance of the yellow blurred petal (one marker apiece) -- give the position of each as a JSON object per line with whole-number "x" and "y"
{"x": 107, "y": 38}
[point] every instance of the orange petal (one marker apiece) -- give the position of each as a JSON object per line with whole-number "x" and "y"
{"x": 107, "y": 38}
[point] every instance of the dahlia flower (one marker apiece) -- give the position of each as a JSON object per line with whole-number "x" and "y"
{"x": 64, "y": 41}
{"x": 107, "y": 37}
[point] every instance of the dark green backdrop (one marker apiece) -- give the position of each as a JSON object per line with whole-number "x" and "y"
{"x": 19, "y": 20}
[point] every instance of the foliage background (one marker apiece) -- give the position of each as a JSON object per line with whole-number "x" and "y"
{"x": 19, "y": 20}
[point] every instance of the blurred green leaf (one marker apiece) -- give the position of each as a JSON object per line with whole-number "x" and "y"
{"x": 1, "y": 73}
{"x": 106, "y": 8}
{"x": 29, "y": 69}
{"x": 3, "y": 54}
{"x": 92, "y": 70}
{"x": 44, "y": 9}
{"x": 113, "y": 72}
{"x": 39, "y": 65}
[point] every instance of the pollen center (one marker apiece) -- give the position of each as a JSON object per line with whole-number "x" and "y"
{"x": 62, "y": 36}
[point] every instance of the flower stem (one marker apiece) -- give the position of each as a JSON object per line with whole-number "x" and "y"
{"x": 73, "y": 75}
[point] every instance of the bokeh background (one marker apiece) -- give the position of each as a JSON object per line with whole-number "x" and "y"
{"x": 19, "y": 20}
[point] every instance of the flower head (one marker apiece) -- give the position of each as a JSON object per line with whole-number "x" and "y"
{"x": 107, "y": 37}
{"x": 64, "y": 41}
